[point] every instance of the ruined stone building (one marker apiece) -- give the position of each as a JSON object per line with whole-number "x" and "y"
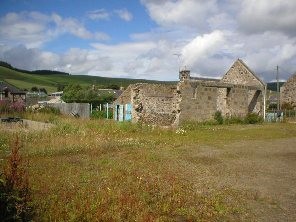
{"x": 238, "y": 93}
{"x": 288, "y": 92}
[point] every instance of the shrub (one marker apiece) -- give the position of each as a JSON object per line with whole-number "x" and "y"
{"x": 218, "y": 117}
{"x": 234, "y": 120}
{"x": 7, "y": 106}
{"x": 48, "y": 109}
{"x": 18, "y": 106}
{"x": 4, "y": 106}
{"x": 15, "y": 196}
{"x": 253, "y": 118}
{"x": 96, "y": 114}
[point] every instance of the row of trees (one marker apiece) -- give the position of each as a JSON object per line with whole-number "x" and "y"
{"x": 79, "y": 94}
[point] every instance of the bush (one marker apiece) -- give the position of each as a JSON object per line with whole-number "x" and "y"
{"x": 234, "y": 120}
{"x": 15, "y": 196}
{"x": 48, "y": 109}
{"x": 7, "y": 106}
{"x": 4, "y": 106}
{"x": 218, "y": 117}
{"x": 253, "y": 118}
{"x": 96, "y": 114}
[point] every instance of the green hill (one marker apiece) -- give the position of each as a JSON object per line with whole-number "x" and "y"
{"x": 273, "y": 85}
{"x": 52, "y": 80}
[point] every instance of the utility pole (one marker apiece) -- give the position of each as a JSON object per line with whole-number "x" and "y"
{"x": 278, "y": 88}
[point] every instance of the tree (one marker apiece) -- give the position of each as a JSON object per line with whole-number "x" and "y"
{"x": 72, "y": 93}
{"x": 43, "y": 90}
{"x": 34, "y": 89}
{"x": 113, "y": 86}
{"x": 60, "y": 87}
{"x": 76, "y": 93}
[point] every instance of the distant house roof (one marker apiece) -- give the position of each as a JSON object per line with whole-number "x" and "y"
{"x": 10, "y": 88}
{"x": 57, "y": 93}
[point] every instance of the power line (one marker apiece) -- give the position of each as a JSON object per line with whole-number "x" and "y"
{"x": 285, "y": 71}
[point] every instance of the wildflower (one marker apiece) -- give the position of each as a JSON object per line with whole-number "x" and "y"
{"x": 180, "y": 131}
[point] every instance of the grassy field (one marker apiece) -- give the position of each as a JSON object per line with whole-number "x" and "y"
{"x": 96, "y": 170}
{"x": 50, "y": 82}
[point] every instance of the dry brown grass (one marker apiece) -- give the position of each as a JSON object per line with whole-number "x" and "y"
{"x": 94, "y": 170}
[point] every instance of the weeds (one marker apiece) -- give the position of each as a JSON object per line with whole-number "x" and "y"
{"x": 15, "y": 196}
{"x": 98, "y": 170}
{"x": 218, "y": 117}
{"x": 253, "y": 118}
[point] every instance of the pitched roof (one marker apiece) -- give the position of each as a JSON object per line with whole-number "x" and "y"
{"x": 12, "y": 89}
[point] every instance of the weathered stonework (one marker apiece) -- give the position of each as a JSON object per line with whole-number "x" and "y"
{"x": 288, "y": 91}
{"x": 151, "y": 103}
{"x": 240, "y": 74}
{"x": 198, "y": 101}
{"x": 238, "y": 93}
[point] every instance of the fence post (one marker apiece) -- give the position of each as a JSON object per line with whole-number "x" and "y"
{"x": 107, "y": 111}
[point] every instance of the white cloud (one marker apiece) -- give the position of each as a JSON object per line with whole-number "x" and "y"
{"x": 211, "y": 35}
{"x": 100, "y": 14}
{"x": 202, "y": 47}
{"x": 29, "y": 58}
{"x": 25, "y": 28}
{"x": 33, "y": 29}
{"x": 265, "y": 15}
{"x": 182, "y": 13}
{"x": 124, "y": 14}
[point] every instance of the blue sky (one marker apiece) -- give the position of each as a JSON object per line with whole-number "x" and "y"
{"x": 140, "y": 38}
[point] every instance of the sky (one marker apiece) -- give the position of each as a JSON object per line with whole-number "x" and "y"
{"x": 150, "y": 39}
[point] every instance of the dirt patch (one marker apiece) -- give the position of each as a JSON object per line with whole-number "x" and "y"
{"x": 26, "y": 125}
{"x": 263, "y": 170}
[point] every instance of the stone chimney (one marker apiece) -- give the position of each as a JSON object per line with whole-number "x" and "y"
{"x": 184, "y": 75}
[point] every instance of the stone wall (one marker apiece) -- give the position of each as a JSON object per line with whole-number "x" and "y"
{"x": 222, "y": 101}
{"x": 237, "y": 101}
{"x": 288, "y": 91}
{"x": 199, "y": 102}
{"x": 255, "y": 101}
{"x": 154, "y": 103}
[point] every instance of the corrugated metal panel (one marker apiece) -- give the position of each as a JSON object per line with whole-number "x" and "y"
{"x": 128, "y": 112}
{"x": 120, "y": 117}
{"x": 115, "y": 112}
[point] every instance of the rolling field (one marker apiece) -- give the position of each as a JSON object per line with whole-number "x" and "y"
{"x": 50, "y": 82}
{"x": 96, "y": 170}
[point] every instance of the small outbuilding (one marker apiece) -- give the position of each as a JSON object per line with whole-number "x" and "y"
{"x": 11, "y": 93}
